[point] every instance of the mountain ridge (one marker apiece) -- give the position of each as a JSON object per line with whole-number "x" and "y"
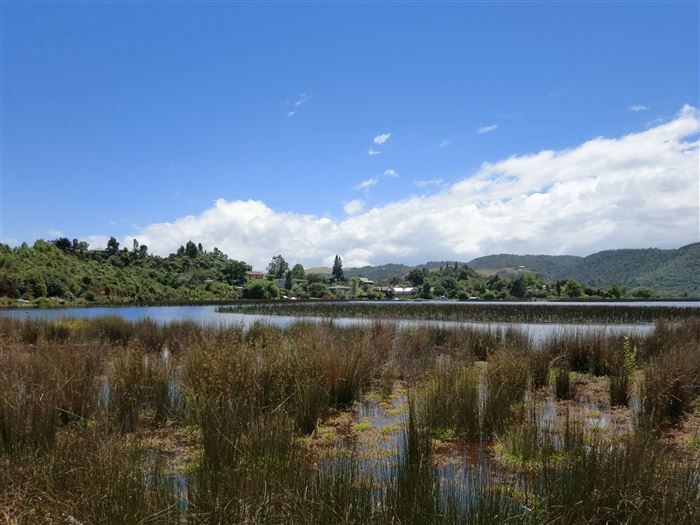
{"x": 669, "y": 272}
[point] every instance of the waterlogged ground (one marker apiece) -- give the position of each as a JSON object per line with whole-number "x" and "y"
{"x": 372, "y": 432}
{"x": 247, "y": 395}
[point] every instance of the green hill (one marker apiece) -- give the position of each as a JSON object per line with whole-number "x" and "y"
{"x": 679, "y": 274}
{"x": 380, "y": 273}
{"x": 553, "y": 266}
{"x": 671, "y": 273}
{"x": 74, "y": 273}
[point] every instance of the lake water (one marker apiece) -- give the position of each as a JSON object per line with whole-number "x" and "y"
{"x": 207, "y": 315}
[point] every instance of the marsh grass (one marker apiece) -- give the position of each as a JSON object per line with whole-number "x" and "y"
{"x": 449, "y": 403}
{"x": 88, "y": 477}
{"x": 79, "y": 398}
{"x": 507, "y": 377}
{"x": 139, "y": 390}
{"x": 40, "y": 391}
{"x": 563, "y": 387}
{"x": 537, "y": 441}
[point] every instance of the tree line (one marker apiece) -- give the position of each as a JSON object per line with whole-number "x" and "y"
{"x": 70, "y": 271}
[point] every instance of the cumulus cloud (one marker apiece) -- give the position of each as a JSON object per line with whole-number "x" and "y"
{"x": 487, "y": 129}
{"x": 353, "y": 206}
{"x": 97, "y": 242}
{"x": 391, "y": 173}
{"x": 636, "y": 108}
{"x": 381, "y": 139}
{"x": 367, "y": 184}
{"x": 638, "y": 190}
{"x": 372, "y": 152}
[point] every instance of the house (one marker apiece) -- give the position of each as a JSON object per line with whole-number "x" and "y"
{"x": 254, "y": 275}
{"x": 342, "y": 291}
{"x": 398, "y": 291}
{"x": 281, "y": 283}
{"x": 365, "y": 283}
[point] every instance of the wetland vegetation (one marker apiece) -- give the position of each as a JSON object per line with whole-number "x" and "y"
{"x": 111, "y": 421}
{"x": 470, "y": 312}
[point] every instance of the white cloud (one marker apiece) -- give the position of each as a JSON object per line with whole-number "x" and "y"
{"x": 637, "y": 108}
{"x": 97, "y": 242}
{"x": 429, "y": 182}
{"x": 391, "y": 173}
{"x": 444, "y": 143}
{"x": 53, "y": 233}
{"x": 303, "y": 99}
{"x": 367, "y": 184}
{"x": 353, "y": 206}
{"x": 381, "y": 139}
{"x": 487, "y": 129}
{"x": 372, "y": 152}
{"x": 637, "y": 190}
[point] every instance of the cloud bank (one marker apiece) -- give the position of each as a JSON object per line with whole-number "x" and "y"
{"x": 639, "y": 190}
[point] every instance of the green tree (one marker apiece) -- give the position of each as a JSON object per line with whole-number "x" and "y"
{"x": 318, "y": 290}
{"x": 191, "y": 249}
{"x": 337, "y": 269}
{"x": 415, "y": 277}
{"x": 235, "y": 272}
{"x": 297, "y": 271}
{"x": 112, "y": 246}
{"x": 518, "y": 287}
{"x": 260, "y": 289}
{"x": 277, "y": 267}
{"x": 642, "y": 292}
{"x": 616, "y": 291}
{"x": 63, "y": 244}
{"x": 288, "y": 282}
{"x": 572, "y": 289}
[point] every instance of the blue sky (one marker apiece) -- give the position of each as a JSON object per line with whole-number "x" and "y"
{"x": 117, "y": 117}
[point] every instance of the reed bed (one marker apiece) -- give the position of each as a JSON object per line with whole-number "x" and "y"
{"x": 106, "y": 421}
{"x": 483, "y": 312}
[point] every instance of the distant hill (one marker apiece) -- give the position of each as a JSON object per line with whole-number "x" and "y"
{"x": 320, "y": 270}
{"x": 671, "y": 273}
{"x": 668, "y": 272}
{"x": 552, "y": 266}
{"x": 378, "y": 273}
{"x": 385, "y": 272}
{"x": 682, "y": 272}
{"x": 434, "y": 265}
